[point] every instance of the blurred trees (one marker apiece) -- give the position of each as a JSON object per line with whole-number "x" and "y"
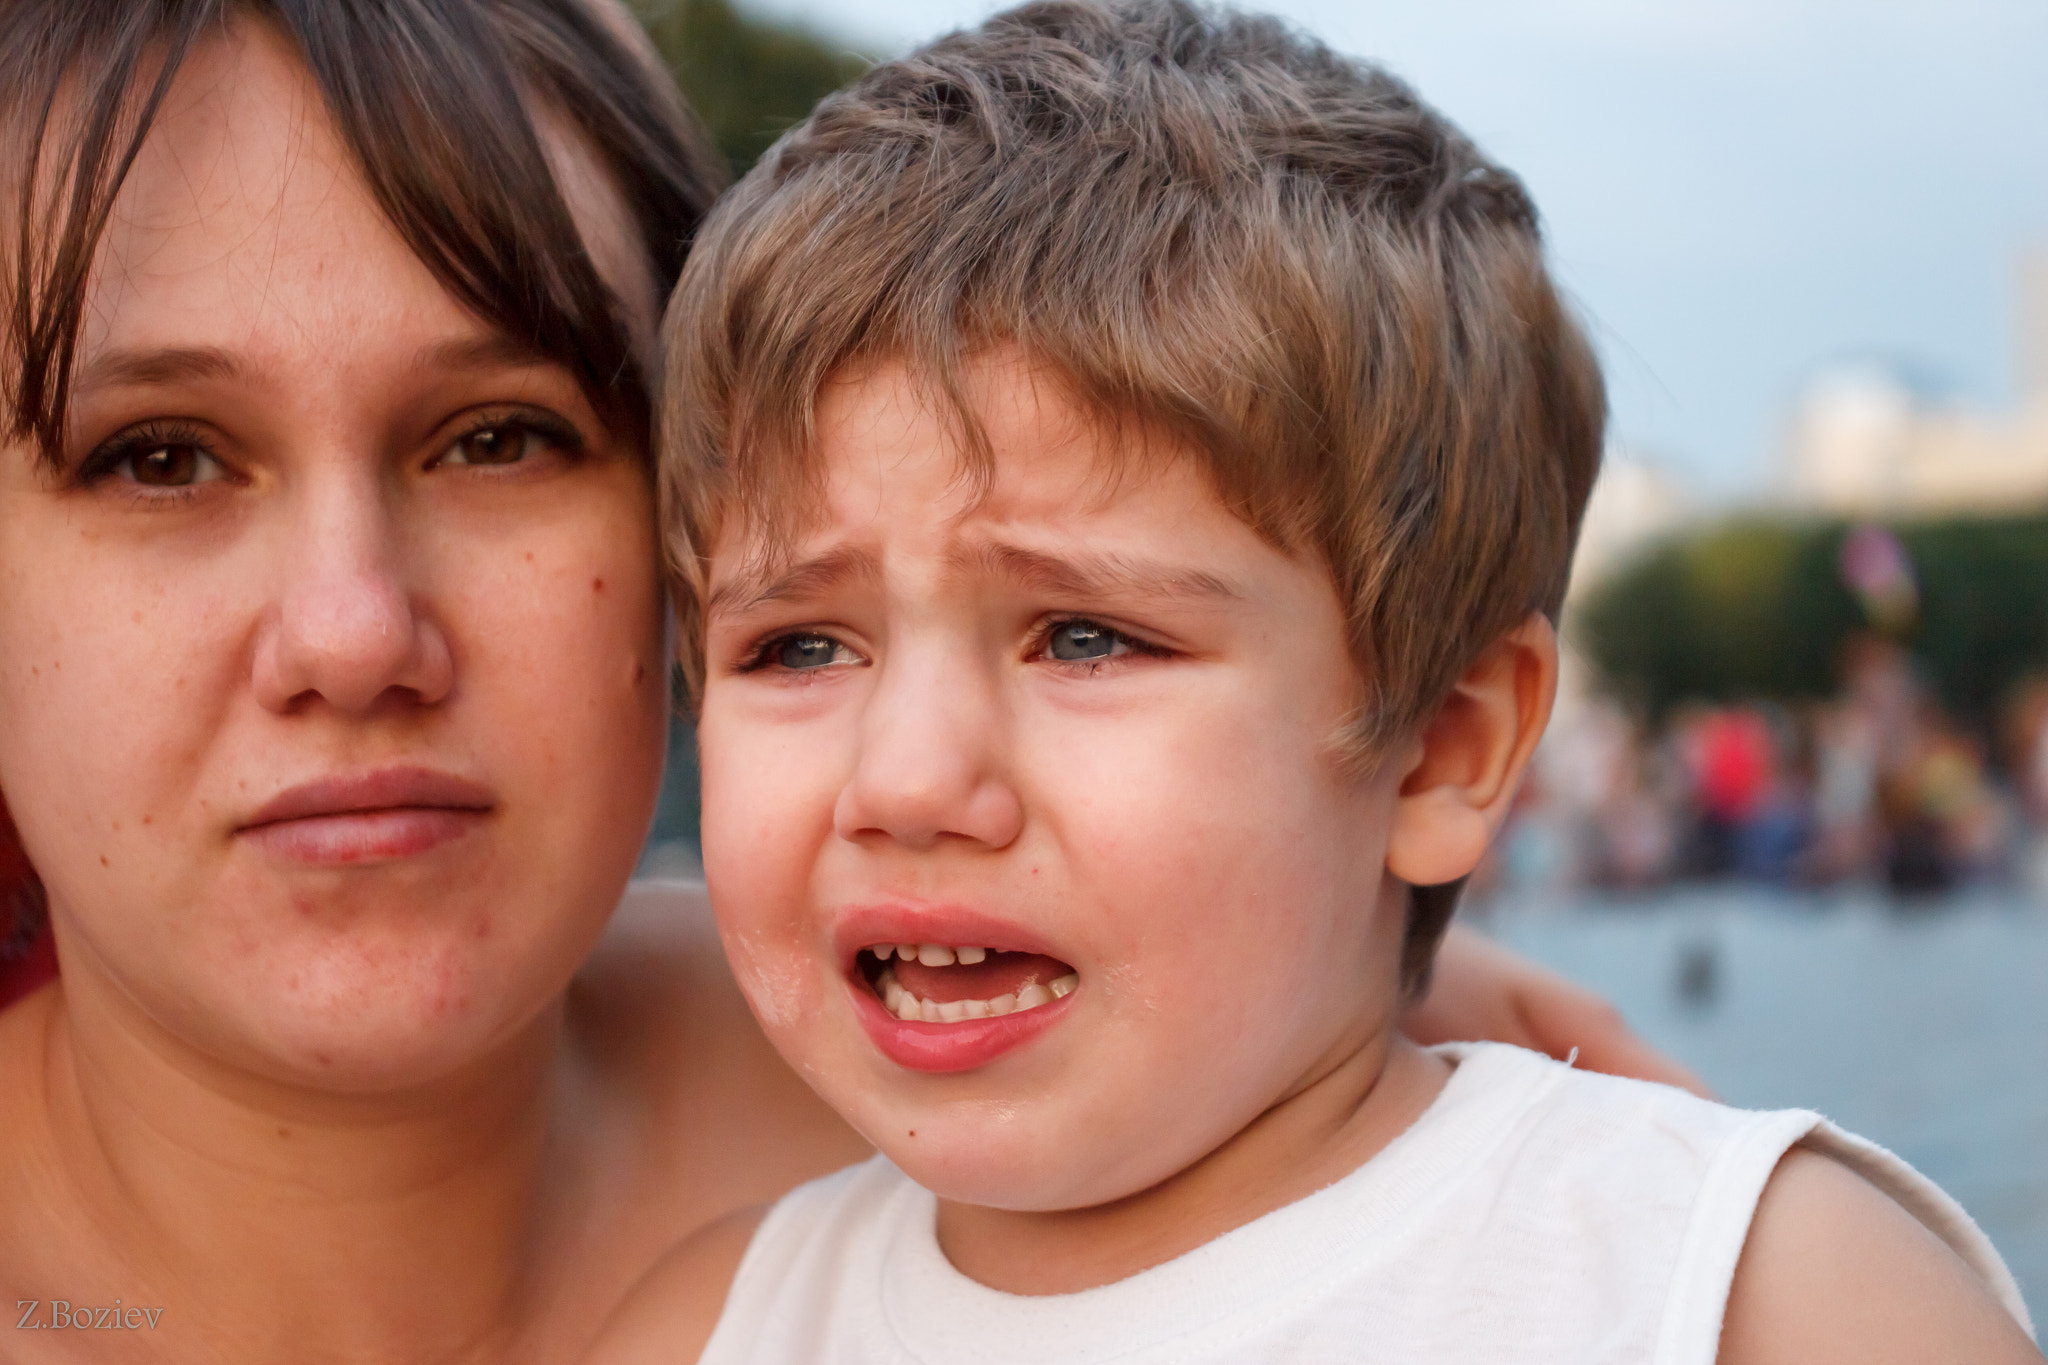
{"x": 749, "y": 78}
{"x": 1757, "y": 607}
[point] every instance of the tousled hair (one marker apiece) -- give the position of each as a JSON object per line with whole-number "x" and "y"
{"x": 431, "y": 97}
{"x": 1199, "y": 220}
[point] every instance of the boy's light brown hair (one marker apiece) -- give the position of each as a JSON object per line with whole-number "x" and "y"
{"x": 1205, "y": 225}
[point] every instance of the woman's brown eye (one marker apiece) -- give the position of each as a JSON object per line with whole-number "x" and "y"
{"x": 167, "y": 466}
{"x": 494, "y": 445}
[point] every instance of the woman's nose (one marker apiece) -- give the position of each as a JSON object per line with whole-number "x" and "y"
{"x": 930, "y": 765}
{"x": 345, "y": 625}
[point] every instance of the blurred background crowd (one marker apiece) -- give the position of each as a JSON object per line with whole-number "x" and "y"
{"x": 1846, "y": 683}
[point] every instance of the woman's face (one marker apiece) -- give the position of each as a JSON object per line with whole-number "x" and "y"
{"x": 332, "y": 677}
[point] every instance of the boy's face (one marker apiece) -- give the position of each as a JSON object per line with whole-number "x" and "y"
{"x": 1080, "y": 726}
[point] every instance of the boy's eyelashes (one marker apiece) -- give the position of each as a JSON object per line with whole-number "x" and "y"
{"x": 799, "y": 651}
{"x": 1069, "y": 641}
{"x": 1080, "y": 641}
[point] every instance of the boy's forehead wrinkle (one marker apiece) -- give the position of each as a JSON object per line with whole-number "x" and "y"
{"x": 1095, "y": 575}
{"x": 761, "y": 581}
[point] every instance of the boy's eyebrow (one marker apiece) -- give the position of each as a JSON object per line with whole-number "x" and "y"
{"x": 1090, "y": 575}
{"x": 758, "y": 585}
{"x": 1082, "y": 576}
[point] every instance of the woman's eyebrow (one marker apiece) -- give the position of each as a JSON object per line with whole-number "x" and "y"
{"x": 490, "y": 351}
{"x": 157, "y": 365}
{"x": 162, "y": 365}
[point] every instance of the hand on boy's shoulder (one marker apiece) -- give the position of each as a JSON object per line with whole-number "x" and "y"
{"x": 667, "y": 1317}
{"x": 1835, "y": 1271}
{"x": 1481, "y": 990}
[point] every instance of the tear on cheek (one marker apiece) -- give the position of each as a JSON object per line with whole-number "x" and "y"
{"x": 772, "y": 977}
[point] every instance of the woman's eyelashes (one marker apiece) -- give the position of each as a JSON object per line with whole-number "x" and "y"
{"x": 168, "y": 459}
{"x": 514, "y": 438}
{"x": 155, "y": 460}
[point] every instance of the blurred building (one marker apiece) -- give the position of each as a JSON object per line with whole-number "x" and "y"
{"x": 1866, "y": 441}
{"x": 1632, "y": 504}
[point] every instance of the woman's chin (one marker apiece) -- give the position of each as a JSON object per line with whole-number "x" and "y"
{"x": 349, "y": 1021}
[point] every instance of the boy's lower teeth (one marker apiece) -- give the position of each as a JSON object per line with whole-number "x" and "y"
{"x": 908, "y": 1007}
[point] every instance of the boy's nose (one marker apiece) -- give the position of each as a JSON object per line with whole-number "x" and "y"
{"x": 929, "y": 766}
{"x": 343, "y": 624}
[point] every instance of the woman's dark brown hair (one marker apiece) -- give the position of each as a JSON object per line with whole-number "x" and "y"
{"x": 435, "y": 99}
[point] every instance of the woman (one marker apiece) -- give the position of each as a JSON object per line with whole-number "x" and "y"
{"x": 334, "y": 684}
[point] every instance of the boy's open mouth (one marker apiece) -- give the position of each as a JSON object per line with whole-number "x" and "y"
{"x": 941, "y": 984}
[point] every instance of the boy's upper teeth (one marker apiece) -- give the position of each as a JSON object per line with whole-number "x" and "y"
{"x": 930, "y": 954}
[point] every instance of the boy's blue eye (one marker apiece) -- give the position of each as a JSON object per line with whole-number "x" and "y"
{"x": 809, "y": 651}
{"x": 1080, "y": 641}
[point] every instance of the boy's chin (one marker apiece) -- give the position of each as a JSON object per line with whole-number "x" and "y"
{"x": 1007, "y": 1160}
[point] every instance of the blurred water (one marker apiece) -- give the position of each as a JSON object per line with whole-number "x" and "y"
{"x": 1924, "y": 1029}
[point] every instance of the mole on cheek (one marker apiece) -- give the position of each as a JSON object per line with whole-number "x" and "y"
{"x": 597, "y": 585}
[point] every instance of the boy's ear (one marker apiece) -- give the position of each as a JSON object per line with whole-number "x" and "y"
{"x": 1465, "y": 765}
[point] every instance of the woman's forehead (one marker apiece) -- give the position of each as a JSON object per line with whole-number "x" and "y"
{"x": 245, "y": 225}
{"x": 242, "y": 221}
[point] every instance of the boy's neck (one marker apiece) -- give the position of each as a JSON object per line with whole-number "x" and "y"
{"x": 1341, "y": 1117}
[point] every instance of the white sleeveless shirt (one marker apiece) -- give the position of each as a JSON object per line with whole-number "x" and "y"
{"x": 1533, "y": 1213}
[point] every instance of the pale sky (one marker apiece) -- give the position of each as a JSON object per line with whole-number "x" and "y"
{"x": 1736, "y": 191}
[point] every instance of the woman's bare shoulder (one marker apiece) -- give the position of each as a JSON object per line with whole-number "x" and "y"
{"x": 671, "y": 1313}
{"x": 657, "y": 1012}
{"x": 656, "y": 1002}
